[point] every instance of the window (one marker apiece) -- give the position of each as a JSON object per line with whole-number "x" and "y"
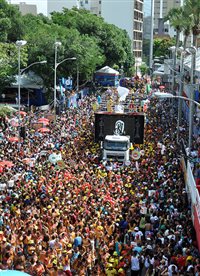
{"x": 86, "y": 1}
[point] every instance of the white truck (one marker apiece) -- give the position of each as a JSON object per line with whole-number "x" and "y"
{"x": 116, "y": 147}
{"x": 117, "y": 132}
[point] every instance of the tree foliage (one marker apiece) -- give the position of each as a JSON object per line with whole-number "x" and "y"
{"x": 161, "y": 46}
{"x": 83, "y": 35}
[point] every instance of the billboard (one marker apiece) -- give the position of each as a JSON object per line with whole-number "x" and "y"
{"x": 131, "y": 124}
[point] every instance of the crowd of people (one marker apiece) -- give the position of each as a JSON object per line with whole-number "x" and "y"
{"x": 85, "y": 216}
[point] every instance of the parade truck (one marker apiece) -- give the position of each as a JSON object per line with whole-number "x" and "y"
{"x": 116, "y": 132}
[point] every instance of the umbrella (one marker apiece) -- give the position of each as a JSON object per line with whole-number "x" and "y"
{"x": 53, "y": 158}
{"x": 40, "y": 120}
{"x": 43, "y": 129}
{"x": 13, "y": 139}
{"x": 43, "y": 121}
{"x": 6, "y": 163}
{"x": 13, "y": 273}
{"x": 23, "y": 113}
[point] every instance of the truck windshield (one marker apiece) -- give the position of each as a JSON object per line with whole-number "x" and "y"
{"x": 113, "y": 145}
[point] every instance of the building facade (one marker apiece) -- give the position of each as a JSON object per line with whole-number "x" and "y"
{"x": 24, "y": 7}
{"x": 127, "y": 15}
{"x": 138, "y": 31}
{"x": 161, "y": 9}
{"x": 27, "y": 8}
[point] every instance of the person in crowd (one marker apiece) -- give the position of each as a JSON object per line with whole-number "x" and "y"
{"x": 78, "y": 215}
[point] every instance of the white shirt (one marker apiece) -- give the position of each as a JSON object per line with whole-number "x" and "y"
{"x": 135, "y": 264}
{"x": 170, "y": 270}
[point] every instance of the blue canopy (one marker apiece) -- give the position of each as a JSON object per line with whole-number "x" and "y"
{"x": 12, "y": 273}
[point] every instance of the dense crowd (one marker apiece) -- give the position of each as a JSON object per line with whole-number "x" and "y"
{"x": 85, "y": 216}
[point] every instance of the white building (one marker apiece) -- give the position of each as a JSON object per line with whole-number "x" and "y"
{"x": 127, "y": 15}
{"x": 24, "y": 7}
{"x": 161, "y": 9}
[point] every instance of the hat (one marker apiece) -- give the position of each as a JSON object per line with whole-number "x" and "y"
{"x": 115, "y": 253}
{"x": 149, "y": 247}
{"x": 111, "y": 260}
{"x": 120, "y": 270}
{"x": 69, "y": 245}
{"x": 136, "y": 229}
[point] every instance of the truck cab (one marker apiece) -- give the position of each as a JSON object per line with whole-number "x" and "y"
{"x": 116, "y": 147}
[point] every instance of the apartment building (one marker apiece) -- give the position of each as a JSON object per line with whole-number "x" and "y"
{"x": 138, "y": 31}
{"x": 161, "y": 9}
{"x": 127, "y": 15}
{"x": 24, "y": 7}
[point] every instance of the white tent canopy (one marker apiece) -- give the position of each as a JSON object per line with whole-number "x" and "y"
{"x": 107, "y": 70}
{"x": 187, "y": 61}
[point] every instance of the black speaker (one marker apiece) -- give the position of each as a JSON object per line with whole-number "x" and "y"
{"x": 131, "y": 124}
{"x": 23, "y": 132}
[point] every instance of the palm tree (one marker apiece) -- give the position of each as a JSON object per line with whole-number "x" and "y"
{"x": 193, "y": 10}
{"x": 186, "y": 26}
{"x": 175, "y": 17}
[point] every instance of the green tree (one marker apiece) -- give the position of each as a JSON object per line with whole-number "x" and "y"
{"x": 9, "y": 63}
{"x": 11, "y": 27}
{"x": 143, "y": 69}
{"x": 161, "y": 46}
{"x": 114, "y": 42}
{"x": 85, "y": 36}
{"x": 193, "y": 10}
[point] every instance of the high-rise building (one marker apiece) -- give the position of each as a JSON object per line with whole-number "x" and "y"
{"x": 27, "y": 8}
{"x": 147, "y": 19}
{"x": 161, "y": 9}
{"x": 30, "y": 6}
{"x": 127, "y": 15}
{"x": 138, "y": 31}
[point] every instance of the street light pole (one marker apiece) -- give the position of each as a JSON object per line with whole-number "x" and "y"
{"x": 57, "y": 44}
{"x": 151, "y": 37}
{"x": 19, "y": 44}
{"x": 193, "y": 51}
{"x": 191, "y": 101}
{"x": 77, "y": 78}
{"x": 173, "y": 50}
{"x": 180, "y": 92}
{"x": 163, "y": 95}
